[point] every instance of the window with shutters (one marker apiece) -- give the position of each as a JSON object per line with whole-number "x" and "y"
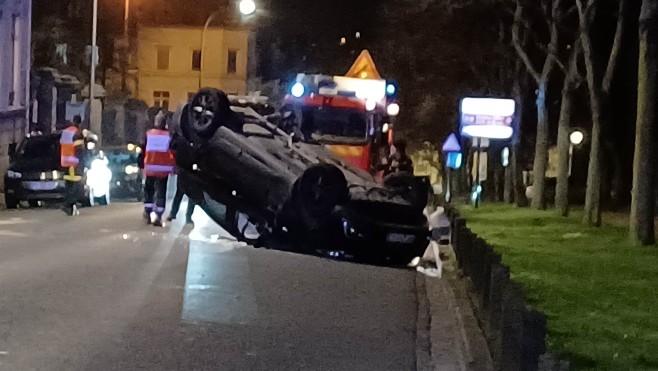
{"x": 232, "y": 65}
{"x": 161, "y": 99}
{"x": 196, "y": 60}
{"x": 163, "y": 57}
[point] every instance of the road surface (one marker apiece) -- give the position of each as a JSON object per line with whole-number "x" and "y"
{"x": 103, "y": 291}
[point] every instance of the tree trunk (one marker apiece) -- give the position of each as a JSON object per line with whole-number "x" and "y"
{"x": 517, "y": 174}
{"x": 592, "y": 212}
{"x": 563, "y": 140}
{"x": 508, "y": 193}
{"x": 644, "y": 164}
{"x": 592, "y": 215}
{"x": 564, "y": 152}
{"x": 541, "y": 150}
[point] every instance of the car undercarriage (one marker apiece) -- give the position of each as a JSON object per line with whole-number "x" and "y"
{"x": 267, "y": 188}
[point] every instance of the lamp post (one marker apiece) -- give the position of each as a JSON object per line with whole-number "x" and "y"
{"x": 94, "y": 28}
{"x": 575, "y": 139}
{"x": 246, "y": 7}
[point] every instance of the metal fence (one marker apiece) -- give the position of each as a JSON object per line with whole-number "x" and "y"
{"x": 515, "y": 334}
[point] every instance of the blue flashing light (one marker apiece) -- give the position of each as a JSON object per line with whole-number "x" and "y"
{"x": 297, "y": 90}
{"x": 391, "y": 89}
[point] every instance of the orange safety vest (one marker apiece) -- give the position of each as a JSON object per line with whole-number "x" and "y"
{"x": 67, "y": 144}
{"x": 159, "y": 160}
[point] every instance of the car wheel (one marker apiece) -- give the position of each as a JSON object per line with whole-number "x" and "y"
{"x": 11, "y": 202}
{"x": 206, "y": 113}
{"x": 317, "y": 192}
{"x": 33, "y": 203}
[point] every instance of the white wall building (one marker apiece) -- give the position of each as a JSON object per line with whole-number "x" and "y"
{"x": 15, "y": 62}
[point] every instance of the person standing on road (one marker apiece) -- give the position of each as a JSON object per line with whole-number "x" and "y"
{"x": 399, "y": 161}
{"x": 179, "y": 148}
{"x": 71, "y": 145}
{"x": 157, "y": 163}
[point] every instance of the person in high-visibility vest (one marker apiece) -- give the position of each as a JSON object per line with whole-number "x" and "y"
{"x": 158, "y": 164}
{"x": 71, "y": 145}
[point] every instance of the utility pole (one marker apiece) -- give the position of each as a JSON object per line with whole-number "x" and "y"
{"x": 126, "y": 44}
{"x": 94, "y": 29}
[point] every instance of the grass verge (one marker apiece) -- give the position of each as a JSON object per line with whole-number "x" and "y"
{"x": 600, "y": 292}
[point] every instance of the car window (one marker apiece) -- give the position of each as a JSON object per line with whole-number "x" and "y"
{"x": 38, "y": 148}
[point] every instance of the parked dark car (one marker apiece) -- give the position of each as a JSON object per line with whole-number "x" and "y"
{"x": 34, "y": 173}
{"x": 267, "y": 188}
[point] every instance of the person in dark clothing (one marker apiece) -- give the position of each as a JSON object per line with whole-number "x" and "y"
{"x": 72, "y": 161}
{"x": 179, "y": 147}
{"x": 178, "y": 198}
{"x": 398, "y": 161}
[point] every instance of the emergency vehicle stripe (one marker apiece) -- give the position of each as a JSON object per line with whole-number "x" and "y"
{"x": 157, "y": 142}
{"x": 71, "y": 159}
{"x": 150, "y": 168}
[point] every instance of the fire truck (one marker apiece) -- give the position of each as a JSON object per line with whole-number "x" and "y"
{"x": 351, "y": 115}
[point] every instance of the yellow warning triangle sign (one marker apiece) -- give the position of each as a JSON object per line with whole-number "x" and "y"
{"x": 364, "y": 67}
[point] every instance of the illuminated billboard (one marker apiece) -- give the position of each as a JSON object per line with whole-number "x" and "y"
{"x": 490, "y": 118}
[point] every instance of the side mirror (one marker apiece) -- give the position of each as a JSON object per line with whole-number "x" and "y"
{"x": 11, "y": 151}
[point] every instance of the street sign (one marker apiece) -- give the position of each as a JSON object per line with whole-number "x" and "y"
{"x": 487, "y": 117}
{"x": 454, "y": 160}
{"x": 451, "y": 144}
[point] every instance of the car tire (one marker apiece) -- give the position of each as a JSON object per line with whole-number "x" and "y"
{"x": 11, "y": 202}
{"x": 206, "y": 113}
{"x": 102, "y": 201}
{"x": 317, "y": 192}
{"x": 33, "y": 203}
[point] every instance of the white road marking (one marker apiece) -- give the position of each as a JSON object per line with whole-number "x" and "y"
{"x": 14, "y": 221}
{"x": 11, "y": 233}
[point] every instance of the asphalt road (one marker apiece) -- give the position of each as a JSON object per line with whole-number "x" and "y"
{"x": 102, "y": 291}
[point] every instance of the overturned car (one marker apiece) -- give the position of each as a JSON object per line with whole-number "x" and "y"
{"x": 267, "y": 188}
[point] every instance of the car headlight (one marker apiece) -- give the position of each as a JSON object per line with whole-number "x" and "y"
{"x": 14, "y": 175}
{"x": 57, "y": 175}
{"x": 131, "y": 169}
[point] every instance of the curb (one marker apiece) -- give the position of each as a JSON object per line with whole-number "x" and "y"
{"x": 457, "y": 342}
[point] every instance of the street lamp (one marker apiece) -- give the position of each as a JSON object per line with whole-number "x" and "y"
{"x": 247, "y": 7}
{"x": 576, "y": 137}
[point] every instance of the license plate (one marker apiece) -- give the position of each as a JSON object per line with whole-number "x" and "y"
{"x": 400, "y": 238}
{"x": 41, "y": 186}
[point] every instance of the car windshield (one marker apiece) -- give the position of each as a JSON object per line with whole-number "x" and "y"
{"x": 39, "y": 148}
{"x": 334, "y": 124}
{"x": 121, "y": 157}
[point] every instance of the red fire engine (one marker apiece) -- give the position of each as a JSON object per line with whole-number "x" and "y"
{"x": 352, "y": 115}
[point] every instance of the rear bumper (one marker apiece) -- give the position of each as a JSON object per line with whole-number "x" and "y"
{"x": 378, "y": 239}
{"x": 35, "y": 190}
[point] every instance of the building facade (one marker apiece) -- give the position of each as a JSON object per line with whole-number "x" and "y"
{"x": 15, "y": 61}
{"x": 171, "y": 65}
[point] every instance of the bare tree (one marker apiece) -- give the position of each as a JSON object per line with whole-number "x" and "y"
{"x": 644, "y": 165}
{"x": 571, "y": 82}
{"x": 599, "y": 92}
{"x": 552, "y": 8}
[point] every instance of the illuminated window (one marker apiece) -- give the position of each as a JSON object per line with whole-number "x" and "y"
{"x": 161, "y": 99}
{"x": 232, "y": 65}
{"x": 163, "y": 57}
{"x": 196, "y": 60}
